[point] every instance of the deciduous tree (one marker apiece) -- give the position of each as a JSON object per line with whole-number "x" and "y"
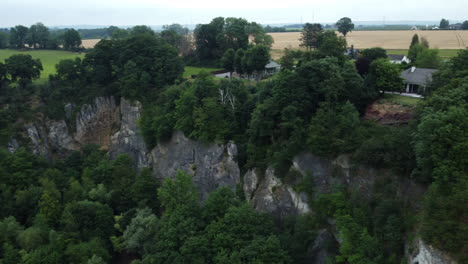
{"x": 345, "y": 25}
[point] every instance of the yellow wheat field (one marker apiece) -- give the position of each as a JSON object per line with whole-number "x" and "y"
{"x": 89, "y": 43}
{"x": 443, "y": 39}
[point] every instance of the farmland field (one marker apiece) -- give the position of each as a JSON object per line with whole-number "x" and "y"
{"x": 443, "y": 39}
{"x": 49, "y": 58}
{"x": 89, "y": 43}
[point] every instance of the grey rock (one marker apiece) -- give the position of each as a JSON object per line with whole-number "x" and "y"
{"x": 426, "y": 254}
{"x": 250, "y": 184}
{"x": 211, "y": 165}
{"x": 95, "y": 123}
{"x": 128, "y": 138}
{"x": 59, "y": 137}
{"x": 69, "y": 110}
{"x": 323, "y": 248}
{"x": 39, "y": 143}
{"x": 274, "y": 197}
{"x": 13, "y": 145}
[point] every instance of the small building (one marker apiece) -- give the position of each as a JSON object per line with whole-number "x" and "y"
{"x": 398, "y": 59}
{"x": 417, "y": 79}
{"x": 270, "y": 69}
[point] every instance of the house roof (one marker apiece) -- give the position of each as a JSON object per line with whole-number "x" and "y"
{"x": 396, "y": 57}
{"x": 272, "y": 64}
{"x": 419, "y": 76}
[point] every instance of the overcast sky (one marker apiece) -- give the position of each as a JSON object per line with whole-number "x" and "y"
{"x": 159, "y": 12}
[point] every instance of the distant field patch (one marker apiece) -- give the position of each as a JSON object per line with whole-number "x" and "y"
{"x": 189, "y": 70}
{"x": 387, "y": 39}
{"x": 49, "y": 58}
{"x": 89, "y": 43}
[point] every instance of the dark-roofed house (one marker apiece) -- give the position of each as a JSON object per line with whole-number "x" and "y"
{"x": 417, "y": 79}
{"x": 398, "y": 59}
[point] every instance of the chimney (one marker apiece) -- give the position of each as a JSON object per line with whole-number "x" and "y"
{"x": 413, "y": 69}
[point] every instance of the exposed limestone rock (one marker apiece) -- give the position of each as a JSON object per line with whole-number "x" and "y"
{"x": 39, "y": 143}
{"x": 59, "y": 137}
{"x": 95, "y": 123}
{"x": 250, "y": 184}
{"x": 274, "y": 197}
{"x": 428, "y": 255}
{"x": 68, "y": 110}
{"x": 211, "y": 165}
{"x": 128, "y": 139}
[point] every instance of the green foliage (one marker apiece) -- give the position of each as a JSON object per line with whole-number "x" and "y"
{"x": 178, "y": 193}
{"x": 18, "y": 36}
{"x": 334, "y": 130}
{"x": 415, "y": 51}
{"x": 4, "y": 40}
{"x": 329, "y": 44}
{"x": 23, "y": 68}
{"x": 344, "y": 25}
{"x": 71, "y": 40}
{"x": 444, "y": 23}
{"x": 385, "y": 76}
{"x": 228, "y": 60}
{"x": 310, "y": 35}
{"x": 414, "y": 40}
{"x": 428, "y": 58}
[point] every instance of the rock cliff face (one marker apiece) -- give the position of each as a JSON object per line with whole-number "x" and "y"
{"x": 128, "y": 138}
{"x": 95, "y": 123}
{"x": 426, "y": 254}
{"x": 211, "y": 165}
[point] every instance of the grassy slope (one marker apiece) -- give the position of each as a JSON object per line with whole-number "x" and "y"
{"x": 189, "y": 71}
{"x": 402, "y": 100}
{"x": 49, "y": 58}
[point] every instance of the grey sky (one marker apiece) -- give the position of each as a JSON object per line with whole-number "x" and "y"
{"x": 159, "y": 12}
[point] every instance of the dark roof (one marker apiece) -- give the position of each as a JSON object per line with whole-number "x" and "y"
{"x": 396, "y": 57}
{"x": 419, "y": 76}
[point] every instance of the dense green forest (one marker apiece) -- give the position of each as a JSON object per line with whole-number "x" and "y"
{"x": 87, "y": 208}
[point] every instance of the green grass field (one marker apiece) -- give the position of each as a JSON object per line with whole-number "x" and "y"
{"x": 49, "y": 58}
{"x": 444, "y": 53}
{"x": 402, "y": 100}
{"x": 189, "y": 71}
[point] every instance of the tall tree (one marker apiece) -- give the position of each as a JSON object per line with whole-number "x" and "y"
{"x": 344, "y": 25}
{"x": 23, "y": 67}
{"x": 38, "y": 36}
{"x": 4, "y": 39}
{"x": 444, "y": 23}
{"x": 71, "y": 39}
{"x": 310, "y": 35}
{"x": 414, "y": 40}
{"x": 18, "y": 36}
{"x": 228, "y": 60}
{"x": 238, "y": 61}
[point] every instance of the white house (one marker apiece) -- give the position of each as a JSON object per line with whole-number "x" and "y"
{"x": 398, "y": 59}
{"x": 417, "y": 79}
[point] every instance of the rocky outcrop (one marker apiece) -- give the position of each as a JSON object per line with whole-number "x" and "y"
{"x": 95, "y": 123}
{"x": 269, "y": 194}
{"x": 59, "y": 137}
{"x": 39, "y": 143}
{"x": 426, "y": 254}
{"x": 211, "y": 165}
{"x": 128, "y": 138}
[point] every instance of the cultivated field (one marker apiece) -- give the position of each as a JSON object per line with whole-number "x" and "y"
{"x": 89, "y": 43}
{"x": 443, "y": 39}
{"x": 49, "y": 58}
